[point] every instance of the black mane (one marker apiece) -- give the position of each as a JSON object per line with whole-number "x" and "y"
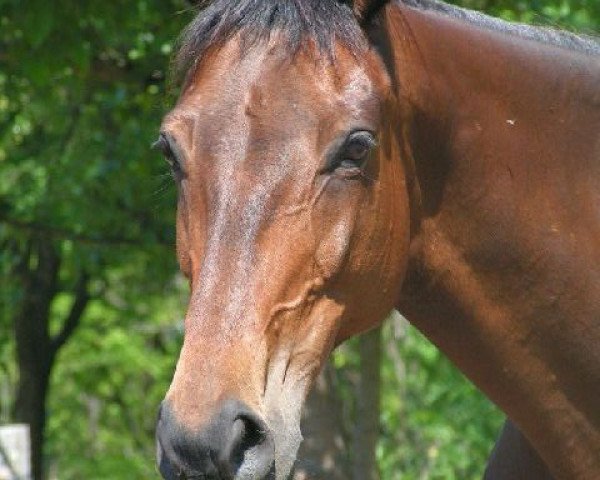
{"x": 323, "y": 21}
{"x": 552, "y": 36}
{"x": 328, "y": 21}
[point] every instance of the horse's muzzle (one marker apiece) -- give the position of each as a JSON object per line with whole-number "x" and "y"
{"x": 235, "y": 444}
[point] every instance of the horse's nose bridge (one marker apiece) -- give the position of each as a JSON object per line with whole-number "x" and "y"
{"x": 226, "y": 348}
{"x": 222, "y": 354}
{"x": 252, "y": 224}
{"x": 211, "y": 370}
{"x": 222, "y": 308}
{"x": 229, "y": 257}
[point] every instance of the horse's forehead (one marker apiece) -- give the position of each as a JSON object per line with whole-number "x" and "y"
{"x": 260, "y": 105}
{"x": 262, "y": 82}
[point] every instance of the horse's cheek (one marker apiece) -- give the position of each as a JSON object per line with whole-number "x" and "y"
{"x": 333, "y": 243}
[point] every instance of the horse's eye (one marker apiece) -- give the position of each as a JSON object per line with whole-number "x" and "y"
{"x": 164, "y": 145}
{"x": 355, "y": 150}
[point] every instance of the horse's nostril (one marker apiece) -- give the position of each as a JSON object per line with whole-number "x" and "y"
{"x": 247, "y": 434}
{"x": 235, "y": 441}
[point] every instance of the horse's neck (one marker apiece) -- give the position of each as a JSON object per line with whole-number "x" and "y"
{"x": 504, "y": 273}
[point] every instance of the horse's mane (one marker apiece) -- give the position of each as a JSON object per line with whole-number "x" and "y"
{"x": 553, "y": 36}
{"x": 323, "y": 21}
{"x": 328, "y": 21}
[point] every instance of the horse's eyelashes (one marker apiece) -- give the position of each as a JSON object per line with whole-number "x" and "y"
{"x": 161, "y": 144}
{"x": 173, "y": 164}
{"x": 164, "y": 145}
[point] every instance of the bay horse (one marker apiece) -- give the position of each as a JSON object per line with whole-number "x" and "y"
{"x": 336, "y": 161}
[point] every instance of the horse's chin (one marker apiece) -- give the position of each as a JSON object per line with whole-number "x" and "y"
{"x": 284, "y": 419}
{"x": 287, "y": 441}
{"x": 253, "y": 469}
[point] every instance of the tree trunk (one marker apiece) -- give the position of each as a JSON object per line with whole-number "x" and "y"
{"x": 30, "y": 408}
{"x": 34, "y": 356}
{"x": 323, "y": 454}
{"x": 366, "y": 430}
{"x": 36, "y": 350}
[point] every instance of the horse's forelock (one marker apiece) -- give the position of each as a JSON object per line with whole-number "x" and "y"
{"x": 325, "y": 22}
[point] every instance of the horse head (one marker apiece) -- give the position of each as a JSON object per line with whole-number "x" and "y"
{"x": 292, "y": 224}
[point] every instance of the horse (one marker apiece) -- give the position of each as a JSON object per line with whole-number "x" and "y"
{"x": 336, "y": 160}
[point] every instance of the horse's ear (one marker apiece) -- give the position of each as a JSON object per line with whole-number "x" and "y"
{"x": 365, "y": 10}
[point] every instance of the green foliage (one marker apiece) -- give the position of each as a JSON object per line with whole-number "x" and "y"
{"x": 82, "y": 91}
{"x": 107, "y": 387}
{"x": 434, "y": 424}
{"x": 440, "y": 426}
{"x": 577, "y": 15}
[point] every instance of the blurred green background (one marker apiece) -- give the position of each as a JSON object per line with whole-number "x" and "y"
{"x": 91, "y": 303}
